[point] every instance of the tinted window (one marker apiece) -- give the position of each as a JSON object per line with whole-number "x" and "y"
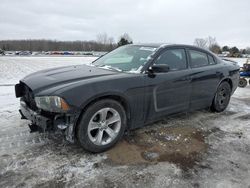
{"x": 174, "y": 58}
{"x": 211, "y": 60}
{"x": 198, "y": 59}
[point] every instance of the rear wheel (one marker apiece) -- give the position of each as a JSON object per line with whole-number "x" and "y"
{"x": 242, "y": 82}
{"x": 101, "y": 126}
{"x": 222, "y": 97}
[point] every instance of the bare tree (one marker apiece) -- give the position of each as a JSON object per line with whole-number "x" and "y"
{"x": 52, "y": 45}
{"x": 105, "y": 42}
{"x": 213, "y": 45}
{"x": 208, "y": 43}
{"x": 111, "y": 40}
{"x": 216, "y": 49}
{"x": 111, "y": 43}
{"x": 102, "y": 38}
{"x": 211, "y": 42}
{"x": 200, "y": 42}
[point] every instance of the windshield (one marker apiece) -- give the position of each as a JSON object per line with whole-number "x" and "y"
{"x": 126, "y": 58}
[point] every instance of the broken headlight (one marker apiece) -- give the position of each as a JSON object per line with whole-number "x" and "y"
{"x": 52, "y": 103}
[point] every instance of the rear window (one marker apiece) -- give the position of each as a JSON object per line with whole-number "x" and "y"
{"x": 198, "y": 59}
{"x": 211, "y": 60}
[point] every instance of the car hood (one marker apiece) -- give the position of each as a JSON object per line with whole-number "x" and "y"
{"x": 63, "y": 75}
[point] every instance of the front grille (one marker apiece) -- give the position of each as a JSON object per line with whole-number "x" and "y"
{"x": 28, "y": 97}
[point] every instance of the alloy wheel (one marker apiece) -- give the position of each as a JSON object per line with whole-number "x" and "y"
{"x": 104, "y": 126}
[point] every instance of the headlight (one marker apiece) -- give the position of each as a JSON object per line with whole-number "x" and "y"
{"x": 51, "y": 103}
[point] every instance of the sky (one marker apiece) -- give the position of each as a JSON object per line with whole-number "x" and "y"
{"x": 146, "y": 21}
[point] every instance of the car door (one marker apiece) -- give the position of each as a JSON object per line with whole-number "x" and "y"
{"x": 169, "y": 92}
{"x": 205, "y": 78}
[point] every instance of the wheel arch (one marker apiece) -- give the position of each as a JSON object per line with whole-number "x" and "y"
{"x": 229, "y": 80}
{"x": 115, "y": 96}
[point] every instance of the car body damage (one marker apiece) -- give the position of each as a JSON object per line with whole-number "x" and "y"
{"x": 56, "y": 99}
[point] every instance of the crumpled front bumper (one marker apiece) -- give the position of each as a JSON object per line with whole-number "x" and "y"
{"x": 64, "y": 123}
{"x": 42, "y": 122}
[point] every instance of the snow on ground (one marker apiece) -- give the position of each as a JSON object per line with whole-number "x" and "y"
{"x": 199, "y": 149}
{"x": 21, "y": 66}
{"x": 240, "y": 61}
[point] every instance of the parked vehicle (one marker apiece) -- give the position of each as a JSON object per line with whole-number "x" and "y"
{"x": 68, "y": 53}
{"x": 56, "y": 53}
{"x": 24, "y": 53}
{"x": 9, "y": 53}
{"x": 127, "y": 88}
{"x": 39, "y": 53}
{"x": 1, "y": 52}
{"x": 244, "y": 75}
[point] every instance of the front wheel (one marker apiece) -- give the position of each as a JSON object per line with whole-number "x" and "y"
{"x": 101, "y": 125}
{"x": 222, "y": 97}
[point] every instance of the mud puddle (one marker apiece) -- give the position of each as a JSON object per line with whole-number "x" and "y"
{"x": 182, "y": 146}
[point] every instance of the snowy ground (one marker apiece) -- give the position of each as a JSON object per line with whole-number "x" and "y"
{"x": 240, "y": 61}
{"x": 199, "y": 149}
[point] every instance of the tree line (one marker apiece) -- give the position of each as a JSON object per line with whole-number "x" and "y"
{"x": 212, "y": 44}
{"x": 105, "y": 43}
{"x": 102, "y": 43}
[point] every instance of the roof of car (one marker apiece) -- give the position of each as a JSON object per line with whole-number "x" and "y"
{"x": 155, "y": 45}
{"x": 158, "y": 45}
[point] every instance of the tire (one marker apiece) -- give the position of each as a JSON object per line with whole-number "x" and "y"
{"x": 242, "y": 82}
{"x": 101, "y": 125}
{"x": 222, "y": 97}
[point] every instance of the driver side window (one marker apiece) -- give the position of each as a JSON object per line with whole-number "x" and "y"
{"x": 174, "y": 58}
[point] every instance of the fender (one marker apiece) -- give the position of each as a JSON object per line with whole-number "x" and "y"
{"x": 103, "y": 95}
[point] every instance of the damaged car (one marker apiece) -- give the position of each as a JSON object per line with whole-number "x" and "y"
{"x": 130, "y": 87}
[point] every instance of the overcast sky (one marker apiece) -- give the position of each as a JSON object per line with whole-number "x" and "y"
{"x": 168, "y": 21}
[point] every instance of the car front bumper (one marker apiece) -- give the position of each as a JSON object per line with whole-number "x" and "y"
{"x": 41, "y": 121}
{"x": 60, "y": 122}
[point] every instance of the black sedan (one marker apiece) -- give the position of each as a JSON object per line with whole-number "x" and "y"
{"x": 127, "y": 88}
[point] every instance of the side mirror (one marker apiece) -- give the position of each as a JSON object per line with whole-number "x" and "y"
{"x": 158, "y": 68}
